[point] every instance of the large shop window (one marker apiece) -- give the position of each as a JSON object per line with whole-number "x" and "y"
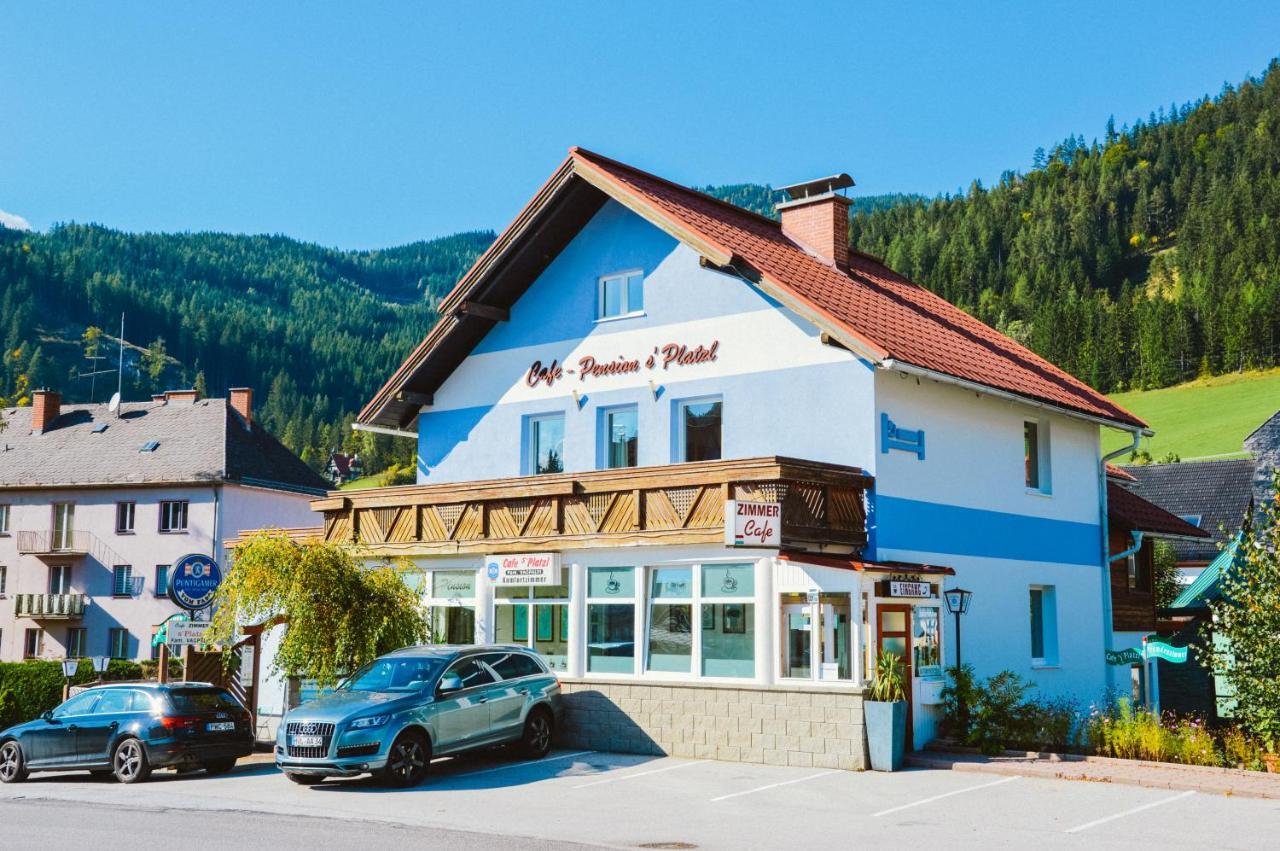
{"x": 451, "y": 605}
{"x": 817, "y": 640}
{"x": 728, "y": 620}
{"x": 611, "y": 620}
{"x": 699, "y": 422}
{"x": 619, "y": 437}
{"x": 544, "y": 444}
{"x": 536, "y": 617}
{"x": 671, "y": 619}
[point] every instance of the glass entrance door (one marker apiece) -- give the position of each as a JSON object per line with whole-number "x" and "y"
{"x": 893, "y": 634}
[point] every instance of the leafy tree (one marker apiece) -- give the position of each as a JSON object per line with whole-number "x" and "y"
{"x": 1246, "y": 622}
{"x": 340, "y": 614}
{"x": 155, "y": 359}
{"x": 1165, "y": 576}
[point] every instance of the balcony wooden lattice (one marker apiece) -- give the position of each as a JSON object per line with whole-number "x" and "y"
{"x": 823, "y": 509}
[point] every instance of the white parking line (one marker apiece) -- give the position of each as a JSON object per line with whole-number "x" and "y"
{"x": 947, "y": 795}
{"x": 635, "y": 774}
{"x": 776, "y": 785}
{"x": 1159, "y": 803}
{"x": 519, "y": 765}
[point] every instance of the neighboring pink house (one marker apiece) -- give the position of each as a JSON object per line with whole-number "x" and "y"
{"x": 95, "y": 505}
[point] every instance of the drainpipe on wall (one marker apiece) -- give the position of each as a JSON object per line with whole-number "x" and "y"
{"x": 1107, "y": 644}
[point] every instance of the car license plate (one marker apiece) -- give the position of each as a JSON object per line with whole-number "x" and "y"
{"x": 220, "y": 726}
{"x": 308, "y": 741}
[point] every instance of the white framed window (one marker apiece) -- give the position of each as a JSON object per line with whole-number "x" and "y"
{"x": 173, "y": 516}
{"x": 59, "y": 579}
{"x": 122, "y": 580}
{"x": 1044, "y": 626}
{"x": 1035, "y": 445}
{"x": 727, "y": 620}
{"x": 536, "y": 617}
{"x": 125, "y": 512}
{"x": 621, "y": 295}
{"x": 699, "y": 429}
{"x": 4, "y": 520}
{"x": 162, "y": 580}
{"x": 64, "y": 525}
{"x": 32, "y": 643}
{"x": 619, "y": 437}
{"x": 669, "y": 639}
{"x": 544, "y": 444}
{"x": 611, "y": 620}
{"x": 450, "y": 598}
{"x": 4, "y": 578}
{"x": 119, "y": 643}
{"x": 76, "y": 639}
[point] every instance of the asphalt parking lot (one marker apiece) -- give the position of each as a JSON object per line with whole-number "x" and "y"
{"x": 628, "y": 801}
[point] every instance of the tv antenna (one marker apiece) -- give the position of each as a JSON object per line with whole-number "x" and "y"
{"x": 119, "y": 371}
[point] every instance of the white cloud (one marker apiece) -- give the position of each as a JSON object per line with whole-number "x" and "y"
{"x": 13, "y": 221}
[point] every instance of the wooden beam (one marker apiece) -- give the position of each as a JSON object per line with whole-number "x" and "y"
{"x": 410, "y": 397}
{"x": 484, "y": 311}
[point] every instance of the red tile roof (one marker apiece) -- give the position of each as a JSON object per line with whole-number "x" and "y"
{"x": 1142, "y": 516}
{"x": 1120, "y": 473}
{"x": 890, "y": 316}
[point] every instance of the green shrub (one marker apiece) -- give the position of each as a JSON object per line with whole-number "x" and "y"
{"x": 888, "y": 683}
{"x": 35, "y": 685}
{"x": 958, "y": 697}
{"x": 1196, "y": 745}
{"x": 8, "y": 709}
{"x": 1054, "y": 724}
{"x": 1240, "y": 750}
{"x": 1000, "y": 715}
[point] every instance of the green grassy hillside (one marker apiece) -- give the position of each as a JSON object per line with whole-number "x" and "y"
{"x": 1209, "y": 416}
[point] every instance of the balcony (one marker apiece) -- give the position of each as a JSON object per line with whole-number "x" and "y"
{"x": 49, "y": 606}
{"x": 823, "y": 509}
{"x": 59, "y": 544}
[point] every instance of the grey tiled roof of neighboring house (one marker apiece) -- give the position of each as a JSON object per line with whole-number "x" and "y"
{"x": 196, "y": 442}
{"x": 1264, "y": 443}
{"x": 1217, "y": 491}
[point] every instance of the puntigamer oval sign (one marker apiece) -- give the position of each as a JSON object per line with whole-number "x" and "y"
{"x": 193, "y": 581}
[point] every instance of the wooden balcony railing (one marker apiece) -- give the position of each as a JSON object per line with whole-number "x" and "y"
{"x": 823, "y": 509}
{"x": 49, "y": 606}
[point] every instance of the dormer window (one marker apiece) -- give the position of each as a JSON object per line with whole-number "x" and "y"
{"x": 621, "y": 295}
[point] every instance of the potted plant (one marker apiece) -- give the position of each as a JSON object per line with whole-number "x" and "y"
{"x": 886, "y": 714}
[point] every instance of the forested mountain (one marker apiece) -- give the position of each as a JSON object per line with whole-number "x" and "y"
{"x": 1136, "y": 260}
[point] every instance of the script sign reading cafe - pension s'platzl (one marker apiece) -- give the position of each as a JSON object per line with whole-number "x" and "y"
{"x": 752, "y": 524}
{"x": 589, "y": 366}
{"x": 524, "y": 569}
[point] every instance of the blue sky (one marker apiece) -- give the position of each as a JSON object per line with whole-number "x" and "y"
{"x": 390, "y": 122}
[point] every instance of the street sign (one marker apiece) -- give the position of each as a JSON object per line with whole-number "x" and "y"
{"x": 1165, "y": 651}
{"x": 193, "y": 581}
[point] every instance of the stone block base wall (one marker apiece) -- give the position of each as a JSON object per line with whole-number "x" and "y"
{"x": 774, "y": 725}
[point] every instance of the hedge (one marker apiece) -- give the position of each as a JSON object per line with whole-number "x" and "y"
{"x": 30, "y": 688}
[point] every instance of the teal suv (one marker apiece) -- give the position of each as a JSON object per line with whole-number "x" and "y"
{"x": 393, "y": 715}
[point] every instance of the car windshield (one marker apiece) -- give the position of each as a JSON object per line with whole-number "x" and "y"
{"x": 393, "y": 675}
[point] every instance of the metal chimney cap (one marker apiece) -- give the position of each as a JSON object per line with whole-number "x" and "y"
{"x": 821, "y": 186}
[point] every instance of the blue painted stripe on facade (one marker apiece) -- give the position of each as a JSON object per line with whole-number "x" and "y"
{"x": 910, "y": 524}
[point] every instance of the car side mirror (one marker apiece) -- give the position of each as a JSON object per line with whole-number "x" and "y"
{"x": 47, "y": 715}
{"x": 449, "y": 682}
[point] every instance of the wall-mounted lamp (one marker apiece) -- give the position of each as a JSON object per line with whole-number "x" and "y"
{"x": 655, "y": 389}
{"x": 580, "y": 399}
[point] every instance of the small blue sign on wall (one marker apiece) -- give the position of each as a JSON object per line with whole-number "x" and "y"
{"x": 893, "y": 437}
{"x": 193, "y": 581}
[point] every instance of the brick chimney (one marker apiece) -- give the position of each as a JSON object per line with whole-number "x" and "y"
{"x": 46, "y": 405}
{"x": 181, "y": 396}
{"x": 817, "y": 219}
{"x": 242, "y": 403}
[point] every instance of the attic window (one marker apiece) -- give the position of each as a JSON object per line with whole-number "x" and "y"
{"x": 1193, "y": 519}
{"x": 100, "y": 428}
{"x": 150, "y": 446}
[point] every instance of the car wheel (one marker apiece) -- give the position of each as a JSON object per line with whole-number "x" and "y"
{"x": 13, "y": 768}
{"x": 407, "y": 761}
{"x": 129, "y": 762}
{"x": 305, "y": 779}
{"x": 219, "y": 766}
{"x": 539, "y": 728}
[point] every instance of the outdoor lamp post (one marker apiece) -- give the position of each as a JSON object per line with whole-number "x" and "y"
{"x": 100, "y": 664}
{"x": 958, "y": 604}
{"x": 69, "y": 667}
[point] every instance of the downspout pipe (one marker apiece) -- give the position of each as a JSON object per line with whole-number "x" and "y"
{"x": 1137, "y": 545}
{"x": 1107, "y": 631}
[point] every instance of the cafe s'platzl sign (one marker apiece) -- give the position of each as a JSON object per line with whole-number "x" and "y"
{"x": 524, "y": 569}
{"x": 752, "y": 524}
{"x": 665, "y": 357}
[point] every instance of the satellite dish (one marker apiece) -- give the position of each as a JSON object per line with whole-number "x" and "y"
{"x": 114, "y": 404}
